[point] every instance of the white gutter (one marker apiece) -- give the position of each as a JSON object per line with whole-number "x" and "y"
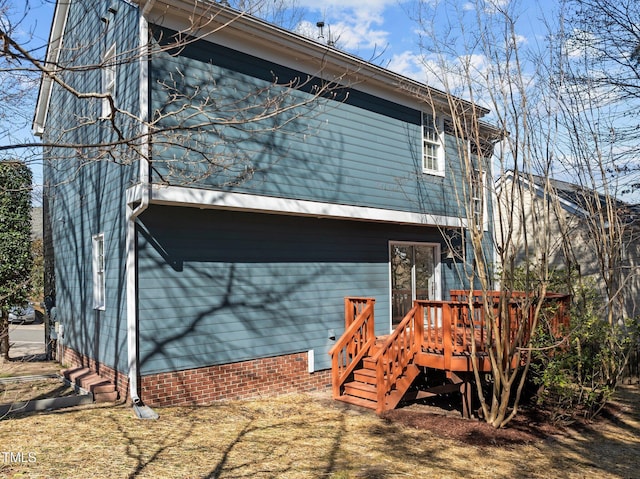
{"x": 133, "y": 212}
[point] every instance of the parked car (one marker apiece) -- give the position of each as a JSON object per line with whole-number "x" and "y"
{"x": 22, "y": 314}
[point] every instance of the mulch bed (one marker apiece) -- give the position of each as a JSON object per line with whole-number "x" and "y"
{"x": 527, "y": 427}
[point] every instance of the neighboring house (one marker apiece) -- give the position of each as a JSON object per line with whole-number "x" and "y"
{"x": 578, "y": 234}
{"x": 36, "y": 223}
{"x": 188, "y": 277}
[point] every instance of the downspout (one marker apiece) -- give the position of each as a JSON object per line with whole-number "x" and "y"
{"x": 133, "y": 211}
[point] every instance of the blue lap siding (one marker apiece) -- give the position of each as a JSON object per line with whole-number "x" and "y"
{"x": 221, "y": 286}
{"x": 346, "y": 147}
{"x": 85, "y": 187}
{"x": 216, "y": 286}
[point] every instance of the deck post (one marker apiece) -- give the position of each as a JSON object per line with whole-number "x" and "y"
{"x": 335, "y": 377}
{"x": 446, "y": 335}
{"x": 371, "y": 331}
{"x": 349, "y": 311}
{"x": 419, "y": 325}
{"x": 466, "y": 392}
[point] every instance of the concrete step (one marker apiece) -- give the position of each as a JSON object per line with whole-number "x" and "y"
{"x": 85, "y": 379}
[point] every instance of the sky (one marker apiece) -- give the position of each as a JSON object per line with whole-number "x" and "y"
{"x": 382, "y": 31}
{"x": 387, "y": 30}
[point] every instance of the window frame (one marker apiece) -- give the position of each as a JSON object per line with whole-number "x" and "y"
{"x": 479, "y": 201}
{"x": 98, "y": 267}
{"x": 109, "y": 80}
{"x": 434, "y": 139}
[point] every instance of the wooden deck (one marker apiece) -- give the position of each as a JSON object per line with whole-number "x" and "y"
{"x": 376, "y": 372}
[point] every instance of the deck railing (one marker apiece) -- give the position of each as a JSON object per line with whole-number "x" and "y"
{"x": 451, "y": 326}
{"x": 555, "y": 309}
{"x": 397, "y": 352}
{"x": 353, "y": 306}
{"x": 355, "y": 343}
{"x": 449, "y": 329}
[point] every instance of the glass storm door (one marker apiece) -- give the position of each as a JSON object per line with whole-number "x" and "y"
{"x": 413, "y": 269}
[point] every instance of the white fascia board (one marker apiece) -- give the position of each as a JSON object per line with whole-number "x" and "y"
{"x": 212, "y": 199}
{"x": 53, "y": 53}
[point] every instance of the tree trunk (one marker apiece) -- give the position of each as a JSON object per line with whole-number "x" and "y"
{"x": 4, "y": 336}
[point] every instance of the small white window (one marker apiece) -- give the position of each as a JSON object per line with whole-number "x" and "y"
{"x": 478, "y": 203}
{"x": 98, "y": 271}
{"x": 432, "y": 145}
{"x": 108, "y": 80}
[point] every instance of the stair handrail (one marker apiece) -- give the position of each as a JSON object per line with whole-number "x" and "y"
{"x": 397, "y": 352}
{"x": 352, "y": 346}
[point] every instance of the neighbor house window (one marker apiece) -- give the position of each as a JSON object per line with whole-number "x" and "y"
{"x": 108, "y": 80}
{"x": 98, "y": 271}
{"x": 432, "y": 146}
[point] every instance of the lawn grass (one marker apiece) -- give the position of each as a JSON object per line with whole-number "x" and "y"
{"x": 297, "y": 436}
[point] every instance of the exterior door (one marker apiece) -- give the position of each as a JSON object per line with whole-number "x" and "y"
{"x": 413, "y": 276}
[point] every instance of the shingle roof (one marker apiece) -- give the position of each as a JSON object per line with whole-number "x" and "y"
{"x": 583, "y": 197}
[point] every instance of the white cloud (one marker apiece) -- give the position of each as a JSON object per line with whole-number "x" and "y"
{"x": 521, "y": 40}
{"x": 408, "y": 64}
{"x": 347, "y": 4}
{"x": 354, "y": 25}
{"x": 453, "y": 75}
{"x": 581, "y": 43}
{"x": 358, "y": 36}
{"x": 489, "y": 7}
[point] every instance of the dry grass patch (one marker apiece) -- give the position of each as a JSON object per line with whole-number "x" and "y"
{"x": 29, "y": 366}
{"x": 32, "y": 390}
{"x": 298, "y": 436}
{"x": 15, "y": 388}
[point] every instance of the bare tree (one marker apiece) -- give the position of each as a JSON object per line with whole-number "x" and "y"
{"x": 18, "y": 80}
{"x": 285, "y": 13}
{"x": 477, "y": 54}
{"x": 268, "y": 106}
{"x": 569, "y": 109}
{"x": 598, "y": 82}
{"x": 596, "y": 79}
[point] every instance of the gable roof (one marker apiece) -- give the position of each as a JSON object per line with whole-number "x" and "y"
{"x": 240, "y": 29}
{"x": 576, "y": 198}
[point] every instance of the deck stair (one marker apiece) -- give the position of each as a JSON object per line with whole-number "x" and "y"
{"x": 85, "y": 380}
{"x": 363, "y": 390}
{"x": 369, "y": 371}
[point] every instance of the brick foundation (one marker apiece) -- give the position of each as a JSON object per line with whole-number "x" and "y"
{"x": 242, "y": 380}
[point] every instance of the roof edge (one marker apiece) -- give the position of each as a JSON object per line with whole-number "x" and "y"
{"x": 219, "y": 16}
{"x": 56, "y": 36}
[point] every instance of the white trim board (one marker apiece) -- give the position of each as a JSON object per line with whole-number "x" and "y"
{"x": 213, "y": 199}
{"x": 53, "y": 52}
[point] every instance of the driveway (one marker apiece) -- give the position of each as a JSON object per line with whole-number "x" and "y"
{"x": 26, "y": 339}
